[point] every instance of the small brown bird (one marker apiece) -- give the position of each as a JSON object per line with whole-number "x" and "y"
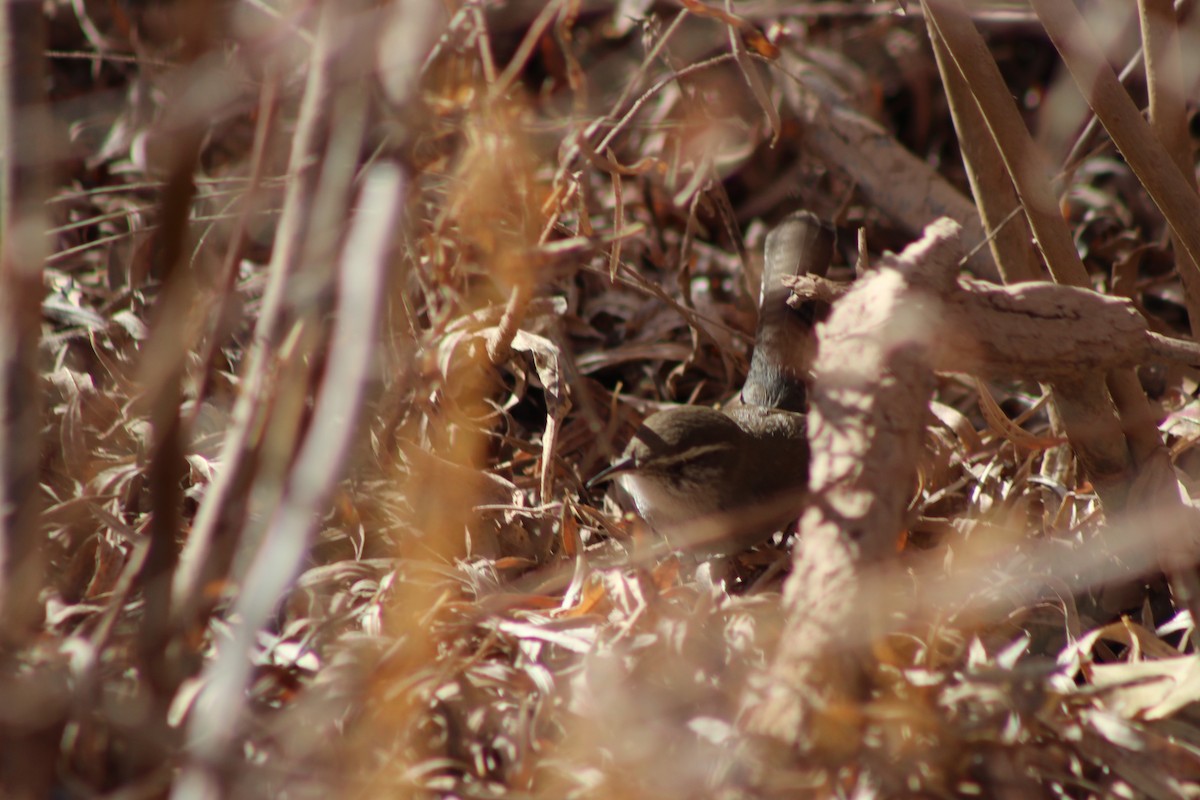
{"x": 715, "y": 481}
{"x": 720, "y": 481}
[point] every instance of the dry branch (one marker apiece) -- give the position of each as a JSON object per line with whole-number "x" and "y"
{"x": 1144, "y": 152}
{"x": 1109, "y": 448}
{"x": 871, "y": 391}
{"x": 428, "y": 647}
{"x": 1034, "y": 331}
{"x": 33, "y": 696}
{"x": 25, "y": 132}
{"x": 215, "y": 722}
{"x": 893, "y": 179}
{"x": 1176, "y": 197}
{"x": 210, "y": 545}
{"x": 1009, "y": 236}
{"x": 1168, "y": 119}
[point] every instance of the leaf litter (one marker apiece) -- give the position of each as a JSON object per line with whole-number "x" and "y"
{"x": 587, "y": 193}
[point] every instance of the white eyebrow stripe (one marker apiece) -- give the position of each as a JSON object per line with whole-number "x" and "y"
{"x": 693, "y": 452}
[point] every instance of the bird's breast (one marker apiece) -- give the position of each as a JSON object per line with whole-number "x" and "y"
{"x": 664, "y": 505}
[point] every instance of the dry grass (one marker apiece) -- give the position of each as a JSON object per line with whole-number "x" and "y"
{"x": 345, "y": 302}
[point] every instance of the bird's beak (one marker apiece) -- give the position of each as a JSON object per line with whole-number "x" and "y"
{"x": 607, "y": 474}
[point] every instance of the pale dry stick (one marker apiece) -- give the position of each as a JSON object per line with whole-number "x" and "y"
{"x": 293, "y": 464}
{"x": 208, "y": 228}
{"x": 862, "y": 262}
{"x": 1026, "y": 165}
{"x": 498, "y": 347}
{"x": 485, "y": 44}
{"x": 153, "y": 186}
{"x": 993, "y": 190}
{"x": 289, "y": 20}
{"x": 962, "y": 591}
{"x": 728, "y": 216}
{"x": 212, "y": 726}
{"x": 894, "y": 180}
{"x": 772, "y": 10}
{"x": 460, "y": 18}
{"x": 1009, "y": 235}
{"x": 750, "y": 72}
{"x": 263, "y": 129}
{"x": 614, "y": 259}
{"x": 210, "y": 545}
{"x": 160, "y": 376}
{"x": 1145, "y": 154}
{"x": 1077, "y": 154}
{"x": 25, "y": 134}
{"x": 93, "y": 244}
{"x": 64, "y": 255}
{"x": 218, "y": 217}
{"x": 1096, "y": 433}
{"x": 676, "y": 75}
{"x": 636, "y": 80}
{"x": 1034, "y": 331}
{"x": 90, "y": 678}
{"x": 572, "y": 69}
{"x": 556, "y": 373}
{"x": 569, "y": 160}
{"x": 1082, "y": 149}
{"x": 525, "y": 49}
{"x": 628, "y": 277}
{"x": 521, "y": 294}
{"x": 116, "y": 58}
{"x": 1177, "y": 199}
{"x": 98, "y": 219}
{"x": 631, "y": 279}
{"x": 1168, "y": 119}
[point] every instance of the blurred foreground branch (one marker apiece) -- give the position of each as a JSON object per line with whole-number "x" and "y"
{"x": 871, "y": 391}
{"x": 24, "y": 135}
